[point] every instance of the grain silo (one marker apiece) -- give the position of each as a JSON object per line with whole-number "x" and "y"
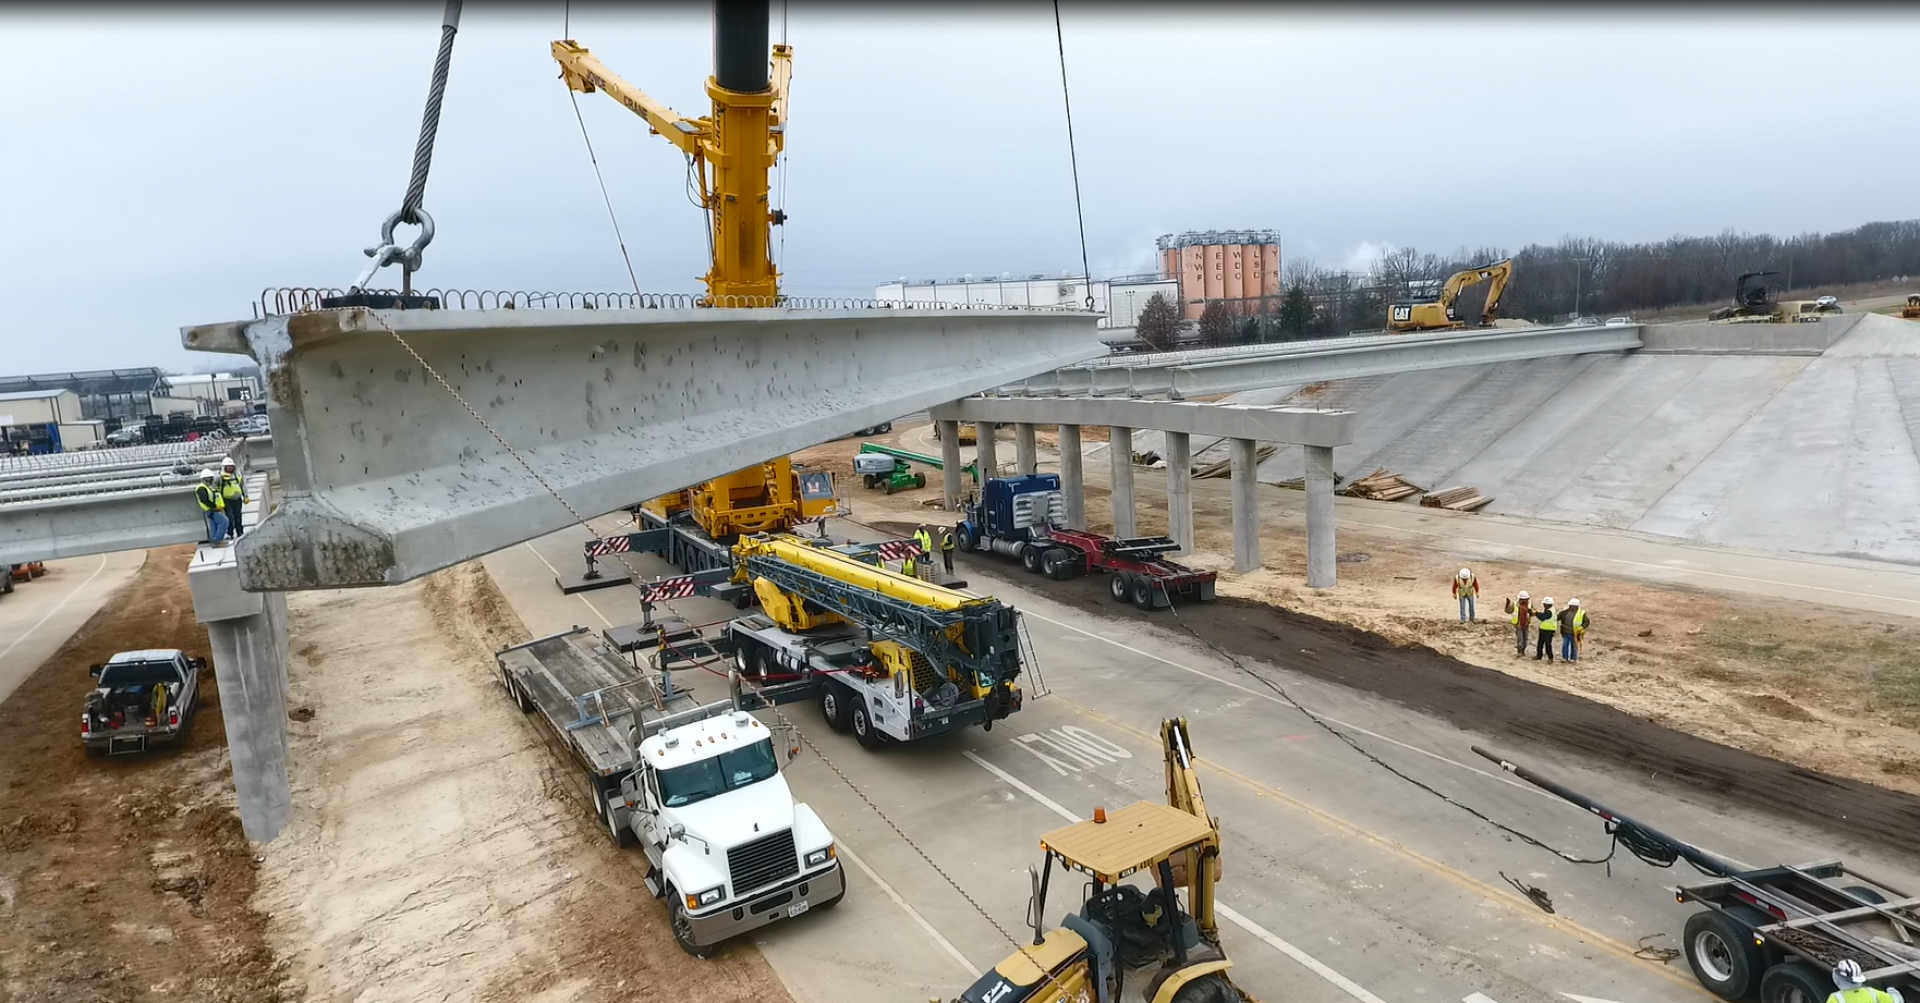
{"x": 1238, "y": 267}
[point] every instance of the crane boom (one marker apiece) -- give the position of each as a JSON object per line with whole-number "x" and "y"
{"x": 732, "y": 150}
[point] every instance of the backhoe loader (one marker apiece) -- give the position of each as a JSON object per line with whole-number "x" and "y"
{"x": 1148, "y": 943}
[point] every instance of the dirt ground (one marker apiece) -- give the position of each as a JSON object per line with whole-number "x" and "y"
{"x": 1827, "y": 689}
{"x": 438, "y": 850}
{"x": 125, "y": 878}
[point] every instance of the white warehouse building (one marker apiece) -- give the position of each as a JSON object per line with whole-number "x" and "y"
{"x": 1121, "y": 299}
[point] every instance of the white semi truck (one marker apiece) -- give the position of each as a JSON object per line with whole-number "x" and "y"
{"x": 697, "y": 785}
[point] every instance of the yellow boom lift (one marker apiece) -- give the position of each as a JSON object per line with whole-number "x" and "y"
{"x": 731, "y": 152}
{"x": 1439, "y": 315}
{"x": 1122, "y": 933}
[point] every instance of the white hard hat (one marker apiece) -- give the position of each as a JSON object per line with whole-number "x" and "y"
{"x": 1847, "y": 974}
{"x": 1524, "y": 595}
{"x": 1548, "y": 600}
{"x": 206, "y": 474}
{"x": 1573, "y": 602}
{"x": 226, "y": 461}
{"x": 1464, "y": 573}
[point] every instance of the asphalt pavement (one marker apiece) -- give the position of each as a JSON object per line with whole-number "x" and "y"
{"x": 1341, "y": 880}
{"x": 38, "y": 616}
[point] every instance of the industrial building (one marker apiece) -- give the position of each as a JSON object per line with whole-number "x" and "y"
{"x": 1238, "y": 267}
{"x": 1121, "y": 299}
{"x": 45, "y": 421}
{"x": 223, "y": 391}
{"x": 111, "y": 395}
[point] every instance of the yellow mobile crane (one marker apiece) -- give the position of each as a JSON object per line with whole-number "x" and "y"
{"x": 1120, "y": 931}
{"x": 731, "y": 152}
{"x": 1439, "y": 314}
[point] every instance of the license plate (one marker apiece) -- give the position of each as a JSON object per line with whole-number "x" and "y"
{"x": 944, "y": 720}
{"x": 796, "y": 909}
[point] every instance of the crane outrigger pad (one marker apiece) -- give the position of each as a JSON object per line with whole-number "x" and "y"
{"x": 388, "y": 477}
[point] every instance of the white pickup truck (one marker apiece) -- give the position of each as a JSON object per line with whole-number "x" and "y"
{"x": 697, "y": 785}
{"x": 141, "y": 699}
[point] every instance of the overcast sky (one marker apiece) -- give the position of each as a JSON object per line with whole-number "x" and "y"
{"x": 160, "y": 170}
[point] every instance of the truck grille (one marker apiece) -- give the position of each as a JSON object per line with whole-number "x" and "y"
{"x": 762, "y": 862}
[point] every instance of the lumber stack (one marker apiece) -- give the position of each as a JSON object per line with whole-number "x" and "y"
{"x": 1381, "y": 485}
{"x": 1457, "y": 499}
{"x": 1224, "y": 468}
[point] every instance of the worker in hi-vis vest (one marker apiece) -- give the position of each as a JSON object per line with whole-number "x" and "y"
{"x": 1548, "y": 623}
{"x": 1573, "y": 630}
{"x": 233, "y": 494}
{"x": 1852, "y": 986}
{"x": 946, "y": 547}
{"x": 1521, "y": 616}
{"x": 213, "y": 505}
{"x": 1466, "y": 588}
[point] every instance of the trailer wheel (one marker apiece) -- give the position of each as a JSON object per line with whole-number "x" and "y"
{"x": 1795, "y": 982}
{"x": 1143, "y": 592}
{"x": 833, "y": 706}
{"x": 863, "y": 726}
{"x": 1722, "y": 954}
{"x": 1030, "y": 558}
{"x": 1120, "y": 586}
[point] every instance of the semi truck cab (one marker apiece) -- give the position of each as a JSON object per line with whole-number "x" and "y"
{"x": 728, "y": 847}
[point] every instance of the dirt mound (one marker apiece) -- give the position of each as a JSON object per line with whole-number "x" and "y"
{"x": 129, "y": 877}
{"x": 438, "y": 848}
{"x": 1517, "y": 712}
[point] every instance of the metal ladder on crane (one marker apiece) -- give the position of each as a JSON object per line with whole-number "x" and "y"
{"x": 1030, "y": 659}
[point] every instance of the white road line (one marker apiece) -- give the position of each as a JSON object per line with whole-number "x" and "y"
{"x": 1312, "y": 964}
{"x": 1481, "y": 998}
{"x": 577, "y": 595}
{"x": 1276, "y": 698}
{"x": 62, "y": 604}
{"x": 952, "y": 951}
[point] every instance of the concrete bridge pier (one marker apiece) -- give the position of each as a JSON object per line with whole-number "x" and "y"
{"x": 248, "y": 633}
{"x": 1180, "y": 490}
{"x": 1073, "y": 482}
{"x": 1320, "y": 520}
{"x": 1246, "y": 504}
{"x": 986, "y": 451}
{"x": 1026, "y": 453}
{"x": 950, "y": 473}
{"x": 1120, "y": 452}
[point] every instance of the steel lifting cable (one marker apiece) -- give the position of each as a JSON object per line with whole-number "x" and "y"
{"x": 1618, "y": 834}
{"x": 411, "y": 211}
{"x": 566, "y": 31}
{"x": 1073, "y": 156}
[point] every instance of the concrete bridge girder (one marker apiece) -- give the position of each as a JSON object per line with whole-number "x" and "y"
{"x": 386, "y": 476}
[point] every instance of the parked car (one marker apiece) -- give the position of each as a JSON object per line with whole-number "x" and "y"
{"x": 141, "y": 699}
{"x": 1619, "y": 321}
{"x": 25, "y": 572}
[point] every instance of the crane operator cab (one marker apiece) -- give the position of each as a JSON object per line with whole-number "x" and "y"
{"x": 1146, "y": 944}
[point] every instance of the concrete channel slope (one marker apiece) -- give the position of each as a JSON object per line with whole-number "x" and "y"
{"x": 1783, "y": 437}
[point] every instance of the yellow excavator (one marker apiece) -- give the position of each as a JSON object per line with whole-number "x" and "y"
{"x": 1439, "y": 315}
{"x": 1121, "y": 932}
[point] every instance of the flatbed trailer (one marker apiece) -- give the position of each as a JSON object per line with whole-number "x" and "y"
{"x": 584, "y": 697}
{"x": 1777, "y": 930}
{"x": 1138, "y": 569}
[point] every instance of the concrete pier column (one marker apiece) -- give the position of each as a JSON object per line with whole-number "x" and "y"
{"x": 1073, "y": 486}
{"x": 1120, "y": 450}
{"x": 1180, "y": 490}
{"x": 951, "y": 487}
{"x": 1026, "y": 453}
{"x": 248, "y": 631}
{"x": 1320, "y": 521}
{"x": 986, "y": 451}
{"x": 1246, "y": 505}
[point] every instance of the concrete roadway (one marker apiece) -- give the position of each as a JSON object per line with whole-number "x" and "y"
{"x": 39, "y": 616}
{"x": 1341, "y": 881}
